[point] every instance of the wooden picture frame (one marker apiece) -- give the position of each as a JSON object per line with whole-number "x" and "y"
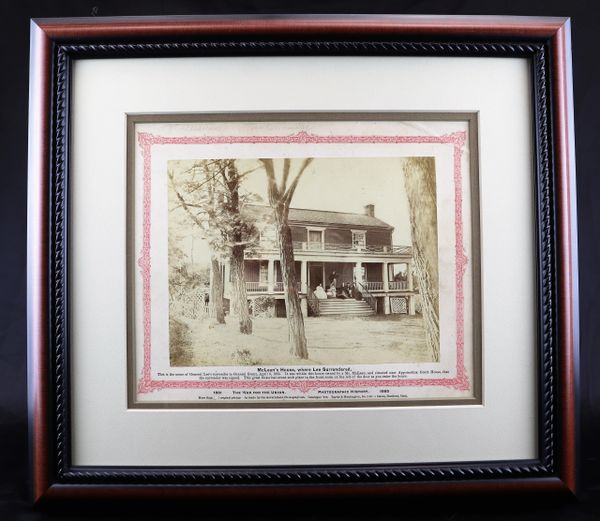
{"x": 58, "y": 43}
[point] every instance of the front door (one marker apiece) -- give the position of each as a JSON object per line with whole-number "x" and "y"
{"x": 315, "y": 275}
{"x": 359, "y": 274}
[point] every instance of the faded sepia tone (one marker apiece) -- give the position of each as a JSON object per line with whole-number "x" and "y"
{"x": 419, "y": 173}
{"x": 323, "y": 261}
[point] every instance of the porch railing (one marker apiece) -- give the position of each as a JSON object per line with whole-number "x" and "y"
{"x": 257, "y": 287}
{"x": 367, "y": 296}
{"x": 398, "y": 284}
{"x": 254, "y": 287}
{"x": 345, "y": 247}
{"x": 403, "y": 250}
{"x": 392, "y": 285}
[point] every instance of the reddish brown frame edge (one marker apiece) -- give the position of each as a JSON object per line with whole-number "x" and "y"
{"x": 566, "y": 226}
{"x": 45, "y": 32}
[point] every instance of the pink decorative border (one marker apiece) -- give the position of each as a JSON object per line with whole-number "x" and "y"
{"x": 455, "y": 139}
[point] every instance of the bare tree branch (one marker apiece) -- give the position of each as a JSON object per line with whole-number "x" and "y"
{"x": 248, "y": 172}
{"x": 290, "y": 191}
{"x": 287, "y": 163}
{"x": 207, "y": 173}
{"x": 271, "y": 181}
{"x": 181, "y": 200}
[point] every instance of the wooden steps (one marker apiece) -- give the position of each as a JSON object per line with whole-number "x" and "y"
{"x": 350, "y": 307}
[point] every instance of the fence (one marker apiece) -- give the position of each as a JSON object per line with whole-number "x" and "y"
{"x": 189, "y": 304}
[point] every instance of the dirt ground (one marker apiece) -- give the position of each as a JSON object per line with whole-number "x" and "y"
{"x": 331, "y": 341}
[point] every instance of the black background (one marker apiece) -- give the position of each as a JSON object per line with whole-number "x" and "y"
{"x": 14, "y": 478}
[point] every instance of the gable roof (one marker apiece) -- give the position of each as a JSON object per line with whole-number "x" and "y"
{"x": 322, "y": 217}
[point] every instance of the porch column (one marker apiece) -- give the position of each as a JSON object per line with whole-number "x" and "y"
{"x": 270, "y": 277}
{"x": 303, "y": 278}
{"x": 412, "y": 304}
{"x": 386, "y": 305}
{"x": 386, "y": 282}
{"x": 409, "y": 276}
{"x": 358, "y": 272}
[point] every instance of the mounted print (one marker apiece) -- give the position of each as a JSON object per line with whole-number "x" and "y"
{"x": 315, "y": 260}
{"x": 301, "y": 255}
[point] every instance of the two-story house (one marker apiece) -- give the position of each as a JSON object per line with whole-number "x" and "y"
{"x": 356, "y": 249}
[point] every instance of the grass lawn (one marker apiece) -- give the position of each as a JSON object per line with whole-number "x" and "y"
{"x": 331, "y": 341}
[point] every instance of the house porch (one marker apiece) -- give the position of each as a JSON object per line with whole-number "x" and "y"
{"x": 388, "y": 286}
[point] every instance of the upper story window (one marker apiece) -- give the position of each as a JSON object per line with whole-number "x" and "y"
{"x": 315, "y": 239}
{"x": 359, "y": 239}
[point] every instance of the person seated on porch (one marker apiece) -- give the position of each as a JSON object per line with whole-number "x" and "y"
{"x": 332, "y": 292}
{"x": 346, "y": 290}
{"x": 342, "y": 293}
{"x": 320, "y": 293}
{"x": 333, "y": 284}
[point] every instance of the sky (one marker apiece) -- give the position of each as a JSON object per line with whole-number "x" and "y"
{"x": 335, "y": 184}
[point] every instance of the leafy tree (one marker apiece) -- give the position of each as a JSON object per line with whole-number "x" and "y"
{"x": 210, "y": 193}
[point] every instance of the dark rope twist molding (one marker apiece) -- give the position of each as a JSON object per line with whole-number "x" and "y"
{"x": 300, "y": 47}
{"x": 546, "y": 253}
{"x": 536, "y": 51}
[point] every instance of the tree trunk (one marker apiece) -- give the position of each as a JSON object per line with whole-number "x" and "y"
{"x": 419, "y": 178}
{"x": 239, "y": 289}
{"x": 280, "y": 197}
{"x": 216, "y": 292}
{"x": 293, "y": 308}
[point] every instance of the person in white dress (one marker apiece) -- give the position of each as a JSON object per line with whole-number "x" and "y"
{"x": 320, "y": 292}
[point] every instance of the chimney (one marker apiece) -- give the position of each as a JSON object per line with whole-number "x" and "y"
{"x": 370, "y": 210}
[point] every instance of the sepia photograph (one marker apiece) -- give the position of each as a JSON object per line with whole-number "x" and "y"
{"x": 285, "y": 261}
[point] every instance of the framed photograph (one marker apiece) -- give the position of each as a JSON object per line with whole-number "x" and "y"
{"x": 342, "y": 249}
{"x": 361, "y": 312}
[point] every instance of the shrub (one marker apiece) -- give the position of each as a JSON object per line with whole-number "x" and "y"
{"x": 179, "y": 343}
{"x": 244, "y": 357}
{"x": 263, "y": 307}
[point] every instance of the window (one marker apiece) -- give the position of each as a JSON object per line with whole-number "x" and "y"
{"x": 263, "y": 273}
{"x": 359, "y": 239}
{"x": 315, "y": 240}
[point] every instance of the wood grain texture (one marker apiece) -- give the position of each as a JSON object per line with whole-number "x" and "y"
{"x": 301, "y": 26}
{"x": 543, "y": 486}
{"x": 567, "y": 245}
{"x": 37, "y": 259}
